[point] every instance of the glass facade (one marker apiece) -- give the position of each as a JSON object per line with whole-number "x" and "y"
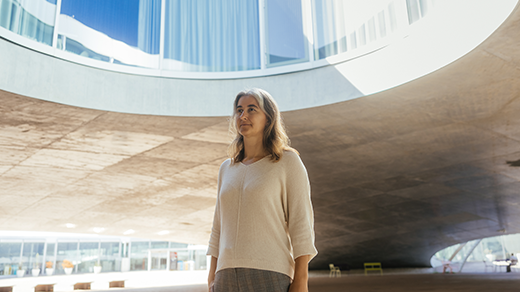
{"x": 337, "y": 29}
{"x": 32, "y": 255}
{"x": 67, "y": 251}
{"x": 483, "y": 251}
{"x": 212, "y": 36}
{"x": 118, "y": 31}
{"x": 207, "y": 35}
{"x": 31, "y": 19}
{"x": 139, "y": 255}
{"x": 285, "y": 42}
{"x": 86, "y": 254}
{"x": 110, "y": 256}
{"x": 10, "y": 255}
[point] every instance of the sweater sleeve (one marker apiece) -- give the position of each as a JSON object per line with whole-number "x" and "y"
{"x": 300, "y": 216}
{"x": 213, "y": 247}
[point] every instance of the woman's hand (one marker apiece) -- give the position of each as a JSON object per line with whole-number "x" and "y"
{"x": 211, "y": 275}
{"x": 298, "y": 286}
{"x": 301, "y": 275}
{"x": 211, "y": 281}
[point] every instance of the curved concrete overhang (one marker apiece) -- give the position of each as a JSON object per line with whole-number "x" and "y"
{"x": 395, "y": 176}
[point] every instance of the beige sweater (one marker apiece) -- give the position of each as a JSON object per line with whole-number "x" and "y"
{"x": 263, "y": 216}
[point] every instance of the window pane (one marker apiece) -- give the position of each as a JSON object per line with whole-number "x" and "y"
{"x": 31, "y": 19}
{"x": 9, "y": 257}
{"x": 160, "y": 244}
{"x": 66, "y": 251}
{"x": 50, "y": 256}
{"x": 139, "y": 255}
{"x": 32, "y": 255}
{"x": 89, "y": 255}
{"x": 109, "y": 249}
{"x": 286, "y": 42}
{"x": 325, "y": 43}
{"x": 117, "y": 31}
{"x": 207, "y": 35}
{"x": 110, "y": 257}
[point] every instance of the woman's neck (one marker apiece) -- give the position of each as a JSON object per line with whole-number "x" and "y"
{"x": 253, "y": 149}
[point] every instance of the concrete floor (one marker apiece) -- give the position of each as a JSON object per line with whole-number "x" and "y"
{"x": 388, "y": 283}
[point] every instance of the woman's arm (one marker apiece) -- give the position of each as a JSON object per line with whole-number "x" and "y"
{"x": 212, "y": 269}
{"x": 301, "y": 275}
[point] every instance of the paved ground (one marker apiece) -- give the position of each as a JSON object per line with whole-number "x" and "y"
{"x": 416, "y": 282}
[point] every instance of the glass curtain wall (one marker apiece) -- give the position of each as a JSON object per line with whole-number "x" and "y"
{"x": 110, "y": 256}
{"x": 108, "y": 253}
{"x": 117, "y": 31}
{"x": 159, "y": 260}
{"x": 33, "y": 19}
{"x": 208, "y": 35}
{"x": 211, "y": 36}
{"x": 285, "y": 40}
{"x": 66, "y": 251}
{"x": 340, "y": 26}
{"x": 9, "y": 257}
{"x": 88, "y": 256}
{"x": 139, "y": 255}
{"x": 50, "y": 256}
{"x": 32, "y": 255}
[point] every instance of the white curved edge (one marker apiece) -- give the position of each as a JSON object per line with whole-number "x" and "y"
{"x": 453, "y": 29}
{"x": 37, "y": 75}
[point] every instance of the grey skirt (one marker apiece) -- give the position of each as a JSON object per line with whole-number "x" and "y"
{"x": 250, "y": 280}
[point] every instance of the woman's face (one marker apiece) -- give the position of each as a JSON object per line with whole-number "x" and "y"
{"x": 251, "y": 120}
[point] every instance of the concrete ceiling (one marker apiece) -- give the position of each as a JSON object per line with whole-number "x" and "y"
{"x": 395, "y": 176}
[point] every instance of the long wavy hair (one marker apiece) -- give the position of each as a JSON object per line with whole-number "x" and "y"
{"x": 275, "y": 138}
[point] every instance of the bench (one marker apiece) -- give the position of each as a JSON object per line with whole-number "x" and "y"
{"x": 373, "y": 267}
{"x": 44, "y": 288}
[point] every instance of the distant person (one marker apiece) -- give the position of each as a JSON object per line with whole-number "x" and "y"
{"x": 263, "y": 229}
{"x": 513, "y": 260}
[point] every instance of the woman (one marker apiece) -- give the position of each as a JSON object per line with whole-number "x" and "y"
{"x": 263, "y": 230}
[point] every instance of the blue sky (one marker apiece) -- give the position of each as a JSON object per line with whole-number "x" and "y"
{"x": 116, "y": 18}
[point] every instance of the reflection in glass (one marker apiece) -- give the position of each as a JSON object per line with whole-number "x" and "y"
{"x": 372, "y": 29}
{"x": 33, "y": 19}
{"x": 286, "y": 42}
{"x": 117, "y": 31}
{"x": 87, "y": 253}
{"x": 324, "y": 29}
{"x": 9, "y": 257}
{"x": 211, "y": 36}
{"x": 159, "y": 259}
{"x": 382, "y": 23}
{"x": 32, "y": 255}
{"x": 110, "y": 256}
{"x": 50, "y": 255}
{"x": 139, "y": 255}
{"x": 340, "y": 26}
{"x": 66, "y": 251}
{"x": 200, "y": 260}
{"x": 89, "y": 256}
{"x": 417, "y": 9}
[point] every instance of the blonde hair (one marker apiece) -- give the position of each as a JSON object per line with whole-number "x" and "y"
{"x": 275, "y": 138}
